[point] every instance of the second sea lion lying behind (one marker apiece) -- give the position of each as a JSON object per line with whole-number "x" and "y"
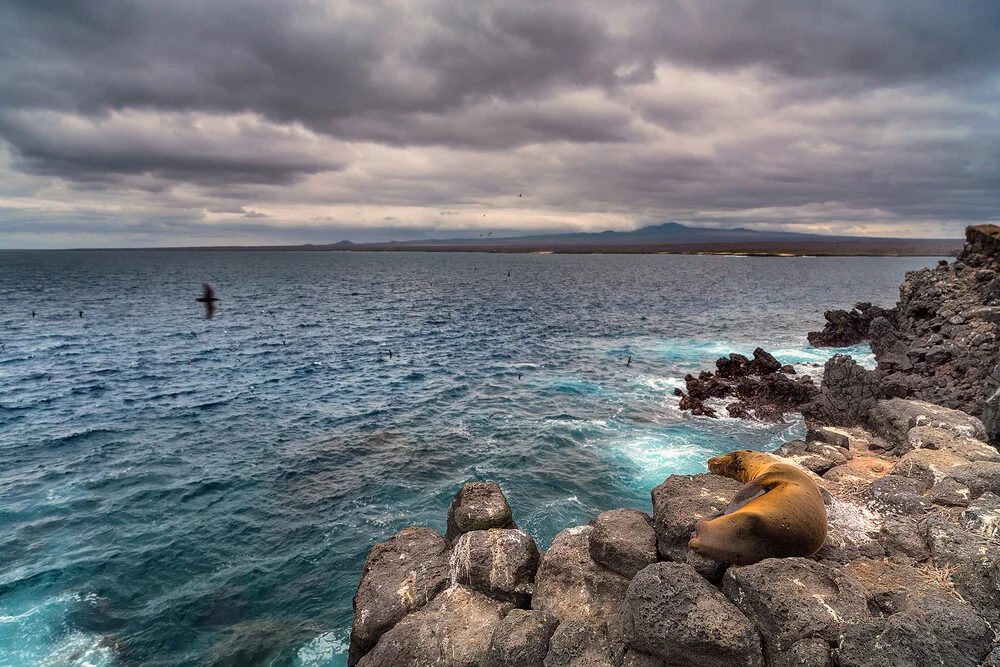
{"x": 777, "y": 513}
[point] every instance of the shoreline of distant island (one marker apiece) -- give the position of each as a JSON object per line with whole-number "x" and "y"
{"x": 667, "y": 238}
{"x": 852, "y": 248}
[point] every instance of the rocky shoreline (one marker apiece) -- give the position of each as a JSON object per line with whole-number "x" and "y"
{"x": 909, "y": 573}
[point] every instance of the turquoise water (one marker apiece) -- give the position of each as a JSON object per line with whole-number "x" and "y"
{"x": 182, "y": 491}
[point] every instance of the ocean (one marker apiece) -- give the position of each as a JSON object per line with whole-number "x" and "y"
{"x": 183, "y": 491}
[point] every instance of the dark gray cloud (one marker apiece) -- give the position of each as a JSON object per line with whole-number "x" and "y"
{"x": 777, "y": 112}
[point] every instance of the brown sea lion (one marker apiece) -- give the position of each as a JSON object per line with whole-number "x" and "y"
{"x": 777, "y": 513}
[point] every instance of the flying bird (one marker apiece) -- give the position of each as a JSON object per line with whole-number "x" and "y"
{"x": 629, "y": 362}
{"x": 209, "y": 300}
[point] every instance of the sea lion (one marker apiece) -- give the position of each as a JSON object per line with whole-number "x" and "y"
{"x": 777, "y": 513}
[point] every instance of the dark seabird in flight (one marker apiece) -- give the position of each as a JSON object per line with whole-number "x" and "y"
{"x": 518, "y": 376}
{"x": 209, "y": 300}
{"x": 629, "y": 362}
{"x": 81, "y": 313}
{"x": 32, "y": 313}
{"x": 390, "y": 354}
{"x": 508, "y": 274}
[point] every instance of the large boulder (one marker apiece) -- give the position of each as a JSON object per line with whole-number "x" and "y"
{"x": 979, "y": 477}
{"x": 945, "y": 440}
{"x": 930, "y": 466}
{"x": 913, "y": 621}
{"x": 580, "y": 644}
{"x": 623, "y": 541}
{"x": 846, "y": 395}
{"x": 842, "y": 329}
{"x": 454, "y": 630}
{"x": 893, "y": 418}
{"x": 673, "y": 613}
{"x": 521, "y": 640}
{"x": 500, "y": 563}
{"x": 893, "y": 494}
{"x": 795, "y": 599}
{"x": 681, "y": 502}
{"x": 571, "y": 586}
{"x": 400, "y": 575}
{"x": 478, "y": 506}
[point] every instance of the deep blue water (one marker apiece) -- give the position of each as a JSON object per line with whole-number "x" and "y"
{"x": 201, "y": 490}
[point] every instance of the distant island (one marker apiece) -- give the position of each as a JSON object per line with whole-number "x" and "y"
{"x": 666, "y": 238}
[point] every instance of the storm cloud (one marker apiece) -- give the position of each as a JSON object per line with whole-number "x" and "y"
{"x": 126, "y": 122}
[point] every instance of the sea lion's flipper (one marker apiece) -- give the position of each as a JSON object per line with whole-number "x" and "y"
{"x": 747, "y": 492}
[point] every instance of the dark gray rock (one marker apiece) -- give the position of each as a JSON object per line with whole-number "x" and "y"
{"x": 991, "y": 405}
{"x": 815, "y": 463}
{"x": 454, "y": 630}
{"x": 837, "y": 455}
{"x": 944, "y": 440}
{"x": 892, "y": 419}
{"x": 521, "y": 640}
{"x": 400, "y": 575}
{"x": 982, "y": 516}
{"x": 929, "y": 466}
{"x": 571, "y": 586}
{"x": 913, "y": 621}
{"x": 623, "y": 541}
{"x": 672, "y": 613}
{"x": 806, "y": 653}
{"x": 972, "y": 563}
{"x": 904, "y": 540}
{"x": 844, "y": 545}
{"x": 980, "y": 477}
{"x": 950, "y": 493}
{"x": 794, "y": 599}
{"x": 681, "y": 502}
{"x": 791, "y": 448}
{"x": 580, "y": 644}
{"x": 847, "y": 394}
{"x": 499, "y": 563}
{"x": 637, "y": 659}
{"x": 893, "y": 494}
{"x": 478, "y": 506}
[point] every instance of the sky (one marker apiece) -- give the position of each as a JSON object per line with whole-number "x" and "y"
{"x": 142, "y": 123}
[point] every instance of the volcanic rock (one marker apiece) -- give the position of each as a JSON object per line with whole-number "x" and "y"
{"x": 623, "y": 541}
{"x": 454, "y": 630}
{"x": 521, "y": 640}
{"x": 672, "y": 613}
{"x": 795, "y": 599}
{"x": 571, "y": 586}
{"x": 400, "y": 576}
{"x": 478, "y": 506}
{"x": 499, "y": 563}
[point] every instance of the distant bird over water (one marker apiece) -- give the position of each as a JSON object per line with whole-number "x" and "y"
{"x": 209, "y": 300}
{"x": 81, "y": 313}
{"x": 32, "y": 313}
{"x": 629, "y": 362}
{"x": 390, "y": 354}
